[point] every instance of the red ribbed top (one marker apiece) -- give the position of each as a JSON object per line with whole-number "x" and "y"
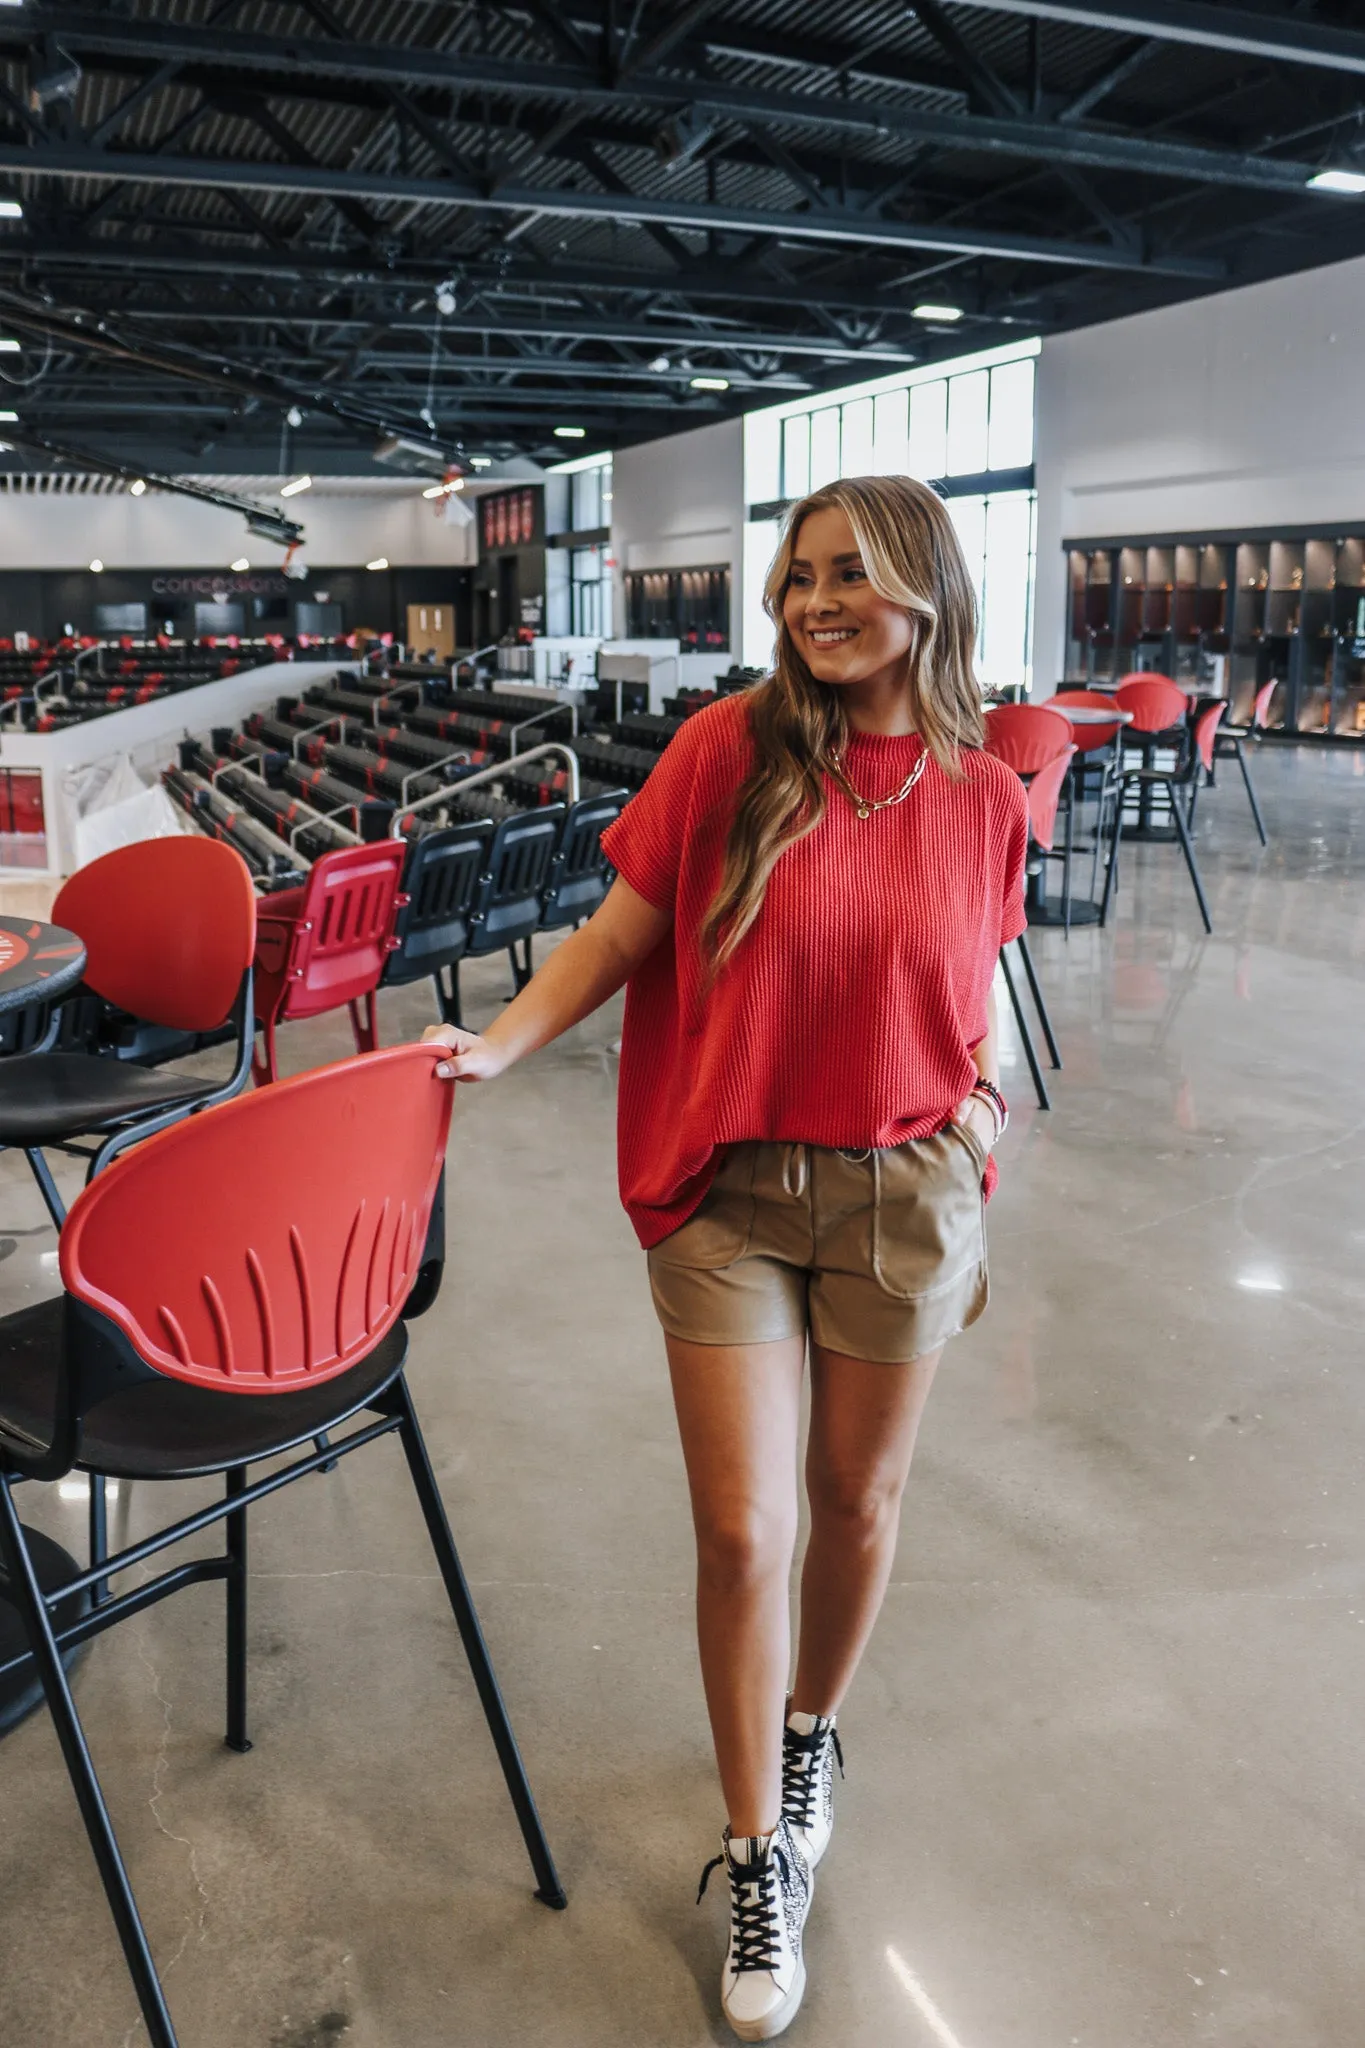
{"x": 849, "y": 1013}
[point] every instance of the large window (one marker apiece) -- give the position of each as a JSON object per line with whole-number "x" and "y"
{"x": 578, "y": 557}
{"x": 966, "y": 427}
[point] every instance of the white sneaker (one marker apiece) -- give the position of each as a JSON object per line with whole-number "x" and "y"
{"x": 810, "y": 1745}
{"x": 764, "y": 1977}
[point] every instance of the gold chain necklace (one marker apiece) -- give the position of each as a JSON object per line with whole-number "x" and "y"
{"x": 866, "y": 805}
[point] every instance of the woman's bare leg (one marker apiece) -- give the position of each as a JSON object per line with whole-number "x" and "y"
{"x": 863, "y": 1423}
{"x": 739, "y": 1416}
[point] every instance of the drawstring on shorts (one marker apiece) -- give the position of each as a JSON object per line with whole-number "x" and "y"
{"x": 795, "y": 1170}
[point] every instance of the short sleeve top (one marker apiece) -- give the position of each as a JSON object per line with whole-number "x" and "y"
{"x": 849, "y": 1012}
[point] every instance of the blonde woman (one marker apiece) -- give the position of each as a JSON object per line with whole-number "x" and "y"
{"x": 814, "y": 886}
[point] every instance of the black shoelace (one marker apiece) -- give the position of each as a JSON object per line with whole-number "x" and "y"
{"x": 755, "y": 1943}
{"x": 799, "y": 1787}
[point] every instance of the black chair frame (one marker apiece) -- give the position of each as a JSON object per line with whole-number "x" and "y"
{"x": 95, "y": 1362}
{"x": 1021, "y": 1021}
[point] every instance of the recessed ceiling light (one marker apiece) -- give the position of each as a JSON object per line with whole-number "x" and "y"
{"x": 300, "y": 483}
{"x": 710, "y": 383}
{"x": 10, "y": 209}
{"x": 481, "y": 461}
{"x": 660, "y": 363}
{"x": 97, "y": 567}
{"x": 240, "y": 566}
{"x": 379, "y": 562}
{"x": 570, "y": 433}
{"x": 928, "y": 312}
{"x": 294, "y": 416}
{"x": 137, "y": 487}
{"x": 1337, "y": 181}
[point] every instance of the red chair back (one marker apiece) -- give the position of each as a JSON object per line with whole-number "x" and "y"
{"x": 169, "y": 926}
{"x": 1044, "y": 794}
{"x": 1026, "y": 737}
{"x": 1205, "y": 730}
{"x": 271, "y": 1243}
{"x": 1260, "y": 710}
{"x": 1087, "y": 739}
{"x": 343, "y": 925}
{"x": 1155, "y": 701}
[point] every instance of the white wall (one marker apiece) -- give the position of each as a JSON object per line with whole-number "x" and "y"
{"x": 158, "y": 531}
{"x": 1238, "y": 411}
{"x": 679, "y": 504}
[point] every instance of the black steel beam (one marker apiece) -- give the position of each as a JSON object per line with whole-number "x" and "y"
{"x": 1281, "y": 37}
{"x": 278, "y": 57}
{"x": 841, "y": 226}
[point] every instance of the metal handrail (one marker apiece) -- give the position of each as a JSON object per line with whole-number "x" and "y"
{"x": 306, "y": 732}
{"x": 432, "y": 768}
{"x": 551, "y": 711}
{"x": 329, "y": 818}
{"x": 443, "y": 796}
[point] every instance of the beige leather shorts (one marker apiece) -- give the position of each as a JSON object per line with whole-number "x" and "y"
{"x": 879, "y": 1255}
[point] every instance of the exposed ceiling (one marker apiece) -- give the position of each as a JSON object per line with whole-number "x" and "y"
{"x": 471, "y": 222}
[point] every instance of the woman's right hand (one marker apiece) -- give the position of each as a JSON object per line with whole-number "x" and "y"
{"x": 474, "y": 1059}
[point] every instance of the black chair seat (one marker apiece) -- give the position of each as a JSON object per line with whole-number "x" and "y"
{"x": 45, "y": 1097}
{"x": 165, "y": 1429}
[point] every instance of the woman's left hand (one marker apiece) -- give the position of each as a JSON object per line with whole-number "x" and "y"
{"x": 979, "y": 1117}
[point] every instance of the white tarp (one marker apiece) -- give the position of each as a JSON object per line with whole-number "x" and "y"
{"x": 111, "y": 806}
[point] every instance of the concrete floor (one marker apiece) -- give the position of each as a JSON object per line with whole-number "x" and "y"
{"x": 1104, "y": 1758}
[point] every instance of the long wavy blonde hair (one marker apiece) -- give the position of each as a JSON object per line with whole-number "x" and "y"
{"x": 913, "y": 558}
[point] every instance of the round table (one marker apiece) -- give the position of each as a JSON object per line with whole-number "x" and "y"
{"x": 39, "y": 963}
{"x": 1043, "y": 909}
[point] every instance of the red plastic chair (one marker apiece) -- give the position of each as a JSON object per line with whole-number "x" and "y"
{"x": 1088, "y": 739}
{"x": 223, "y": 1309}
{"x": 1156, "y": 703}
{"x": 1196, "y": 759}
{"x": 1026, "y": 737}
{"x": 326, "y": 944}
{"x": 169, "y": 927}
{"x": 1044, "y": 796}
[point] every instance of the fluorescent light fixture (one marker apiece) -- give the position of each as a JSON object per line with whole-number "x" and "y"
{"x": 710, "y": 383}
{"x": 8, "y": 415}
{"x": 1259, "y": 1281}
{"x": 379, "y": 562}
{"x": 300, "y": 483}
{"x": 481, "y": 462}
{"x": 137, "y": 487}
{"x": 929, "y": 312}
{"x": 97, "y": 567}
{"x": 1338, "y": 181}
{"x": 240, "y": 566}
{"x": 434, "y": 491}
{"x": 570, "y": 433}
{"x": 9, "y": 346}
{"x": 10, "y": 209}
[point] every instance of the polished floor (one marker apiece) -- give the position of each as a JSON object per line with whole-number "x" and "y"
{"x": 1105, "y": 1756}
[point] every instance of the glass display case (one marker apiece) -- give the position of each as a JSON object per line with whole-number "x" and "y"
{"x": 1229, "y": 613}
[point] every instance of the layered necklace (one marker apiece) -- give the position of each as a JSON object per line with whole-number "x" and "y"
{"x": 866, "y": 805}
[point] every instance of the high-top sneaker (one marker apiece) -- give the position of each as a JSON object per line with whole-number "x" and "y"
{"x": 764, "y": 1977}
{"x": 810, "y": 1746}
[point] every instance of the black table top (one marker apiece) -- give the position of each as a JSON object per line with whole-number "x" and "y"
{"x": 38, "y": 962}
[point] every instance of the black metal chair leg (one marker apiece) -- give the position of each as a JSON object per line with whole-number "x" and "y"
{"x": 99, "y": 1533}
{"x": 548, "y": 1887}
{"x": 323, "y": 1442}
{"x": 1188, "y": 850}
{"x": 1251, "y": 794}
{"x": 448, "y": 1000}
{"x": 236, "y": 1585}
{"x": 1111, "y": 872}
{"x": 1039, "y": 1005}
{"x": 1039, "y": 1085}
{"x": 23, "y": 1588}
{"x": 47, "y": 1186}
{"x": 1066, "y": 867}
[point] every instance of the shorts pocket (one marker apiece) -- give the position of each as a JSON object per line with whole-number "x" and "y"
{"x": 928, "y": 1215}
{"x": 719, "y": 1229}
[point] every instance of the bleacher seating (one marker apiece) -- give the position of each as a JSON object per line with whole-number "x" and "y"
{"x": 487, "y": 867}
{"x": 49, "y": 686}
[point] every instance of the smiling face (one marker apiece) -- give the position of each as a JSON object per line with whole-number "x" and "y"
{"x": 843, "y": 629}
